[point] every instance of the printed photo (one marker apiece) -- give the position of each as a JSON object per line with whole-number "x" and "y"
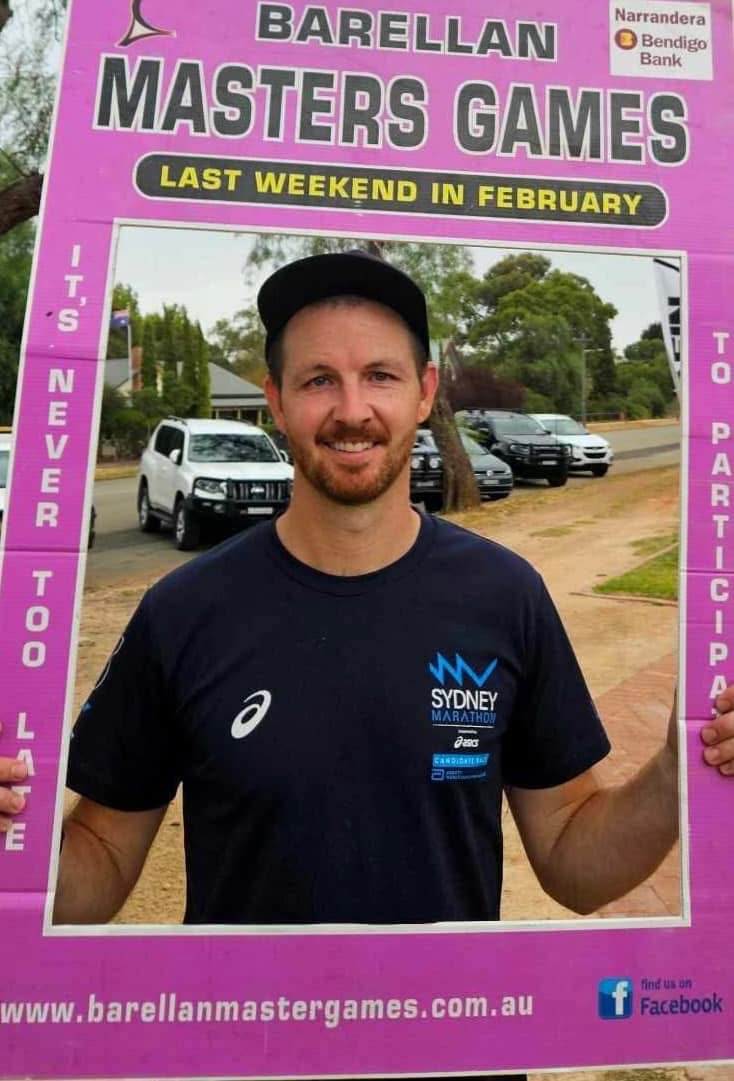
{"x": 234, "y": 727}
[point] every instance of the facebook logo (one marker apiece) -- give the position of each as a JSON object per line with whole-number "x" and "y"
{"x": 615, "y": 999}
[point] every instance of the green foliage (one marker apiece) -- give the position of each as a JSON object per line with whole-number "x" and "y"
{"x": 239, "y": 343}
{"x": 124, "y": 296}
{"x": 189, "y": 375}
{"x": 203, "y": 378}
{"x": 534, "y": 325}
{"x": 27, "y": 88}
{"x": 16, "y": 248}
{"x": 148, "y": 403}
{"x": 149, "y": 366}
{"x": 644, "y": 376}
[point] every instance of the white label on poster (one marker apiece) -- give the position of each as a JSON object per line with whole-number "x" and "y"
{"x": 660, "y": 39}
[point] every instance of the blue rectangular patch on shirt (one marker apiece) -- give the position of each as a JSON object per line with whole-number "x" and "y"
{"x": 459, "y": 761}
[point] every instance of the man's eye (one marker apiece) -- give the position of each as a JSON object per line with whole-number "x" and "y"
{"x": 382, "y": 377}
{"x": 318, "y": 381}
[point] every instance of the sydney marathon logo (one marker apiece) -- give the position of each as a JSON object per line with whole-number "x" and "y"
{"x": 462, "y": 697}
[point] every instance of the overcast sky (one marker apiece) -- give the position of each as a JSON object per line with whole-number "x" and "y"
{"x": 205, "y": 271}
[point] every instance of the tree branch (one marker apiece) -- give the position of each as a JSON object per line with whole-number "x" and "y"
{"x": 20, "y": 201}
{"x": 5, "y": 12}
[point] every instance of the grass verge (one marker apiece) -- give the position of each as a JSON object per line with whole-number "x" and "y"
{"x": 656, "y": 578}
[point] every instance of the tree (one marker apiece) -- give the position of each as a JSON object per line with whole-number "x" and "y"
{"x": 27, "y": 93}
{"x": 239, "y": 343}
{"x": 124, "y": 298}
{"x": 203, "y": 378}
{"x": 16, "y": 253}
{"x": 149, "y": 366}
{"x": 189, "y": 373}
{"x": 644, "y": 375}
{"x": 530, "y": 322}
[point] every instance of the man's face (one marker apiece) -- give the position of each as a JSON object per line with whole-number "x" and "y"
{"x": 350, "y": 398}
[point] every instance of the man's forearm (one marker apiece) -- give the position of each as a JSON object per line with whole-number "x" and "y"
{"x": 90, "y": 887}
{"x": 101, "y": 859}
{"x": 616, "y": 838}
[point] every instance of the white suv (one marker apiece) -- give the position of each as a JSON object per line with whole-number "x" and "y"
{"x": 588, "y": 451}
{"x": 196, "y": 471}
{"x": 4, "y": 462}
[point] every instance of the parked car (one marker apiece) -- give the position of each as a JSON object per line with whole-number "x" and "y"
{"x": 588, "y": 451}
{"x": 5, "y": 441}
{"x": 4, "y": 464}
{"x": 493, "y": 477}
{"x": 521, "y": 442}
{"x": 197, "y": 472}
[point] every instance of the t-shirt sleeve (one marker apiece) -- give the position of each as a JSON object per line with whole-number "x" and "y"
{"x": 123, "y": 751}
{"x": 555, "y": 732}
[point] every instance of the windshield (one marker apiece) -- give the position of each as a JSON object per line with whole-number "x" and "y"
{"x": 231, "y": 447}
{"x": 519, "y": 425}
{"x": 470, "y": 445}
{"x": 424, "y": 441}
{"x": 4, "y": 459}
{"x": 563, "y": 426}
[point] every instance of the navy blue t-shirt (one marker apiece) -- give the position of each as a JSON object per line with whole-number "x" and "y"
{"x": 342, "y": 742}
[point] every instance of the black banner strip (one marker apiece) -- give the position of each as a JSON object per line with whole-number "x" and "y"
{"x": 442, "y": 194}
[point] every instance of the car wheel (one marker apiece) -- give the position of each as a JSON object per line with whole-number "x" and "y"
{"x": 186, "y": 530}
{"x": 599, "y": 470}
{"x": 146, "y": 519}
{"x": 557, "y": 480}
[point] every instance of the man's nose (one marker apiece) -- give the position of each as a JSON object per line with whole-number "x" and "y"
{"x": 352, "y": 406}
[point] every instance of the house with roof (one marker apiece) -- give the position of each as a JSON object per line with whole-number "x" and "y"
{"x": 232, "y": 397}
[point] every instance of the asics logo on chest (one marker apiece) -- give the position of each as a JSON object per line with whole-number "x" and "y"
{"x": 256, "y": 706}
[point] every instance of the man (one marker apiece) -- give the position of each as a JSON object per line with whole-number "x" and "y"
{"x": 302, "y": 679}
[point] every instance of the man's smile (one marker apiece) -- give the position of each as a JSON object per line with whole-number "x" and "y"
{"x": 349, "y": 447}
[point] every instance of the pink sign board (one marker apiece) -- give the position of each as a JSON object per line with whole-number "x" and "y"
{"x": 606, "y": 126}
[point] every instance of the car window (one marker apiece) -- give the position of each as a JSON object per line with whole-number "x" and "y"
{"x": 4, "y": 459}
{"x": 177, "y": 440}
{"x": 565, "y": 426}
{"x": 519, "y": 425}
{"x": 424, "y": 441}
{"x": 470, "y": 445}
{"x": 163, "y": 442}
{"x": 231, "y": 447}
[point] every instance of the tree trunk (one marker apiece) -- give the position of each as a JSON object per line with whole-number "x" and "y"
{"x": 20, "y": 200}
{"x": 460, "y": 490}
{"x": 5, "y": 12}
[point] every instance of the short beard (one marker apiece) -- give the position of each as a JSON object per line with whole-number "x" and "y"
{"x": 353, "y": 491}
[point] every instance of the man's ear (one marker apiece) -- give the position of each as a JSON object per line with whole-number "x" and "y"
{"x": 272, "y": 396}
{"x": 429, "y": 386}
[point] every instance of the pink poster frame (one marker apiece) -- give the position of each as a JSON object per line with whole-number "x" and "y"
{"x": 92, "y": 189}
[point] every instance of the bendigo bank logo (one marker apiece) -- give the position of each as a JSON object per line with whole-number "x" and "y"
{"x": 139, "y": 27}
{"x": 625, "y": 38}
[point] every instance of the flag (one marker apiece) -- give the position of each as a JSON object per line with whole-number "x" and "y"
{"x": 667, "y": 277}
{"x": 120, "y": 319}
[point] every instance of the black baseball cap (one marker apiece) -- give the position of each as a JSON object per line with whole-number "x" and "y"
{"x": 349, "y": 273}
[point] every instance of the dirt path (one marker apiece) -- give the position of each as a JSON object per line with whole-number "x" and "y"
{"x": 576, "y": 537}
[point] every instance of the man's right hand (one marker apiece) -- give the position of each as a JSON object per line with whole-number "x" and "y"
{"x": 12, "y": 772}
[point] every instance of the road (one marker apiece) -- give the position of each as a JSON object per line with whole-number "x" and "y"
{"x": 121, "y": 551}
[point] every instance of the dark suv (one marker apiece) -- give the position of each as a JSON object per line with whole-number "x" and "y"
{"x": 493, "y": 477}
{"x": 521, "y": 442}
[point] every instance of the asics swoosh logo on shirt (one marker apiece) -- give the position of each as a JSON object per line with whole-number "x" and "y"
{"x": 256, "y": 706}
